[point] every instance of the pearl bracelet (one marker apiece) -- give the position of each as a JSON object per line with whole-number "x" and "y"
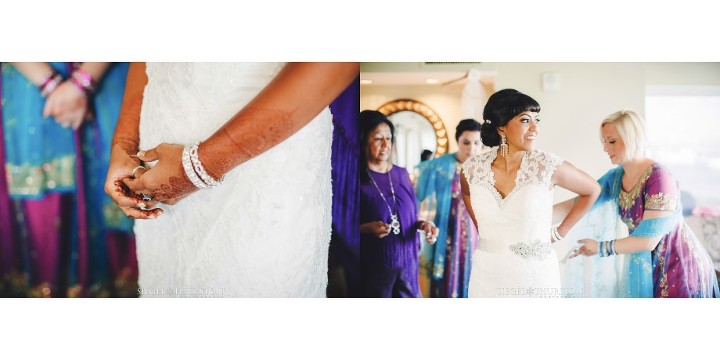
{"x": 555, "y": 234}
{"x": 188, "y": 167}
{"x": 194, "y": 169}
{"x": 200, "y": 169}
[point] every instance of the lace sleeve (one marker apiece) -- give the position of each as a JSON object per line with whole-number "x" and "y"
{"x": 539, "y": 168}
{"x": 475, "y": 169}
{"x": 551, "y": 162}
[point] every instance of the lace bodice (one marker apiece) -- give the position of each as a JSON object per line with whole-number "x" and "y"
{"x": 514, "y": 256}
{"x": 188, "y": 102}
{"x": 525, "y": 214}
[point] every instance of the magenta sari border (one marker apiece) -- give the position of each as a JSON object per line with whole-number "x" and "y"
{"x": 81, "y": 207}
{"x": 6, "y": 231}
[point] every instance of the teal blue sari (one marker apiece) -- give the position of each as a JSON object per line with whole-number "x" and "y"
{"x": 678, "y": 267}
{"x": 445, "y": 266}
{"x": 57, "y": 174}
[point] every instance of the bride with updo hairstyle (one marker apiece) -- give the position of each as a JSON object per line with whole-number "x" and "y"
{"x": 509, "y": 193}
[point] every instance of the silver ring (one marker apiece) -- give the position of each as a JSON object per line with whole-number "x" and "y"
{"x": 136, "y": 169}
{"x": 145, "y": 197}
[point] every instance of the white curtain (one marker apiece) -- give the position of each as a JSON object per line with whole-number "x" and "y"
{"x": 473, "y": 97}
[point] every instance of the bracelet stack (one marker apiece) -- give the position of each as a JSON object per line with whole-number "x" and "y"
{"x": 194, "y": 169}
{"x": 606, "y": 248}
{"x": 50, "y": 83}
{"x": 84, "y": 81}
{"x": 555, "y": 234}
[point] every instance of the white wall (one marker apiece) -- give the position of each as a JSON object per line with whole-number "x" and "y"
{"x": 570, "y": 117}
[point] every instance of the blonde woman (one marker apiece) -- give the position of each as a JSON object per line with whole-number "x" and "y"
{"x": 665, "y": 258}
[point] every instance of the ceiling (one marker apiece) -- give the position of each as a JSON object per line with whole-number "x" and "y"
{"x": 419, "y": 74}
{"x": 411, "y": 78}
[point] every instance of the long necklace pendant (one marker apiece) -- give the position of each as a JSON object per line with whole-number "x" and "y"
{"x": 395, "y": 224}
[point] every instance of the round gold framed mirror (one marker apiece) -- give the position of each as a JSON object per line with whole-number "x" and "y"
{"x": 417, "y": 127}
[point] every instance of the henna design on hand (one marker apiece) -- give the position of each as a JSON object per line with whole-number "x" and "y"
{"x": 127, "y": 131}
{"x": 249, "y": 133}
{"x": 125, "y": 191}
{"x": 178, "y": 186}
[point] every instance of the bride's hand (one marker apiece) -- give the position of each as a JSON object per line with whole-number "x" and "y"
{"x": 123, "y": 166}
{"x": 166, "y": 181}
{"x": 589, "y": 248}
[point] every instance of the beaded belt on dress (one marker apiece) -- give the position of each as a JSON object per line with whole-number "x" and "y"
{"x": 534, "y": 250}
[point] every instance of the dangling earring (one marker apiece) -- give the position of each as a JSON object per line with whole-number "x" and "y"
{"x": 503, "y": 146}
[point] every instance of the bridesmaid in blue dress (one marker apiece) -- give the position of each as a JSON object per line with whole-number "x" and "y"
{"x": 663, "y": 257}
{"x": 60, "y": 235}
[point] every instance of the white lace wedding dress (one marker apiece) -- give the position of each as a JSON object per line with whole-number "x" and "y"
{"x": 514, "y": 257}
{"x": 265, "y": 231}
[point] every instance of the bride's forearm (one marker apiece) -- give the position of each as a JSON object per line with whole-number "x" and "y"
{"x": 579, "y": 208}
{"x": 465, "y": 189}
{"x": 290, "y": 101}
{"x": 127, "y": 130}
{"x": 562, "y": 209}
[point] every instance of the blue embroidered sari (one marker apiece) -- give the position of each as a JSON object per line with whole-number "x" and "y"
{"x": 678, "y": 267}
{"x": 69, "y": 238}
{"x": 445, "y": 266}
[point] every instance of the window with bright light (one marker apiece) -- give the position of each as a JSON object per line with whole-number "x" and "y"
{"x": 683, "y": 131}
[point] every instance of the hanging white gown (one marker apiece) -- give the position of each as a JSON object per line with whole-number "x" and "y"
{"x": 514, "y": 257}
{"x": 265, "y": 231}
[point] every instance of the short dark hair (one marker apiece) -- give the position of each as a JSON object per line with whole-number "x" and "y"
{"x": 426, "y": 155}
{"x": 369, "y": 120}
{"x": 501, "y": 107}
{"x": 466, "y": 125}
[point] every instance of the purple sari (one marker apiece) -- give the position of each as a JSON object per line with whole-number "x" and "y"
{"x": 680, "y": 265}
{"x": 462, "y": 242}
{"x": 344, "y": 253}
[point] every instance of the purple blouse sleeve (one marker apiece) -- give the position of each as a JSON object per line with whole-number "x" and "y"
{"x": 661, "y": 191}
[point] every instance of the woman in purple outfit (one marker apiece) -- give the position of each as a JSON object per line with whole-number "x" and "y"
{"x": 389, "y": 243}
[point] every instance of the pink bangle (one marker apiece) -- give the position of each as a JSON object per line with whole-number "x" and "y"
{"x": 47, "y": 80}
{"x": 50, "y": 84}
{"x": 80, "y": 86}
{"x": 83, "y": 80}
